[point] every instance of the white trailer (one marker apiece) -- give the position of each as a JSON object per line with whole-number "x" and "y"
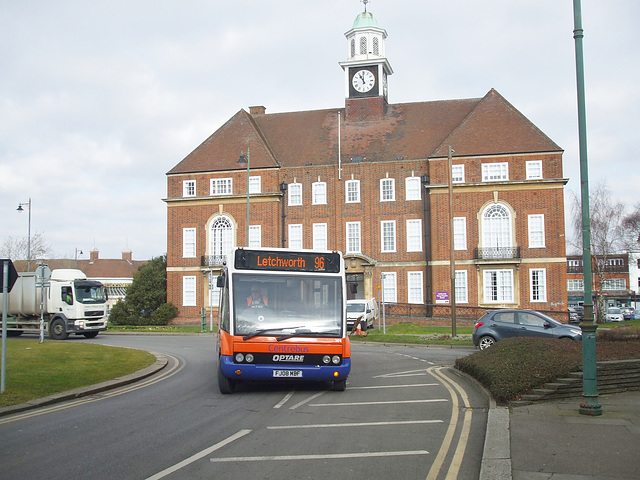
{"x": 72, "y": 305}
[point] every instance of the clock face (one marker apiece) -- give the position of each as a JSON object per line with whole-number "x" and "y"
{"x": 363, "y": 81}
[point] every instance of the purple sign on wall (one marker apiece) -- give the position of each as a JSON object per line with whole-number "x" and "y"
{"x": 442, "y": 297}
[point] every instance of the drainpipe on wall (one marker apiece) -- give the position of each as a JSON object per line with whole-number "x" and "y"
{"x": 283, "y": 189}
{"x": 427, "y": 243}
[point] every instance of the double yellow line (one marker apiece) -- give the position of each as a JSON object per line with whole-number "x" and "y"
{"x": 456, "y": 461}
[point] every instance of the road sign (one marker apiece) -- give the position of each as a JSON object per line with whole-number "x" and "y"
{"x": 13, "y": 274}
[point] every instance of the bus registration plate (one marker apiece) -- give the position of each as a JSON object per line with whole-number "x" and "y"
{"x": 287, "y": 373}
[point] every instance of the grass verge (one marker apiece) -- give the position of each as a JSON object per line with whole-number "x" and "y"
{"x": 418, "y": 335}
{"x": 36, "y": 370}
{"x": 159, "y": 328}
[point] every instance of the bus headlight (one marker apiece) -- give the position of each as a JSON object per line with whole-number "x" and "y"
{"x": 249, "y": 358}
{"x": 326, "y": 359}
{"x": 239, "y": 358}
{"x": 336, "y": 359}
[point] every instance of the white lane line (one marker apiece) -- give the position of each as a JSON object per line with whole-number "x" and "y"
{"x": 284, "y": 400}
{"x": 307, "y": 400}
{"x": 199, "y": 455}
{"x": 363, "y": 424}
{"x": 394, "y": 402}
{"x": 410, "y": 373}
{"x": 396, "y": 386}
{"x": 319, "y": 457}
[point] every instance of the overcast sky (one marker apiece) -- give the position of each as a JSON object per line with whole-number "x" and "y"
{"x": 100, "y": 99}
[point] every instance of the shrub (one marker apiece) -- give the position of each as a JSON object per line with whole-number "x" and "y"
{"x": 120, "y": 314}
{"x": 619, "y": 334}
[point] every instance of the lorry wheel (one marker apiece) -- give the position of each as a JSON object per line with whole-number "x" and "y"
{"x": 226, "y": 385}
{"x": 58, "y": 329}
{"x": 90, "y": 334}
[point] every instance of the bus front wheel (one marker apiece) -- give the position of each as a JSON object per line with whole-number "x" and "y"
{"x": 340, "y": 385}
{"x": 225, "y": 384}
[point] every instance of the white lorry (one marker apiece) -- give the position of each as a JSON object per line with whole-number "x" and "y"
{"x": 72, "y": 305}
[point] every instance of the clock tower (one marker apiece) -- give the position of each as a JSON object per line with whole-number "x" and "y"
{"x": 366, "y": 68}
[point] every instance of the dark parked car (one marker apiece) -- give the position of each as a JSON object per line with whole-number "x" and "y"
{"x": 500, "y": 324}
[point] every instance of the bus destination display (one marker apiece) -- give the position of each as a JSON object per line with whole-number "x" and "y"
{"x": 287, "y": 261}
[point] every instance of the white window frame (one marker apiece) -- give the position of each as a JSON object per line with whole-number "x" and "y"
{"x": 614, "y": 284}
{"x": 353, "y": 237}
{"x": 538, "y": 284}
{"x": 388, "y": 236}
{"x": 500, "y": 281}
{"x": 415, "y": 287}
{"x": 414, "y": 235}
{"x": 320, "y": 236}
{"x": 352, "y": 191}
{"x": 388, "y": 190}
{"x": 295, "y": 194}
{"x": 221, "y": 186}
{"x": 188, "y": 188}
{"x": 457, "y": 173}
{"x": 221, "y": 236}
{"x": 319, "y": 193}
{"x": 255, "y": 236}
{"x": 295, "y": 236}
{"x": 496, "y": 226}
{"x": 412, "y": 188}
{"x": 459, "y": 233}
{"x": 495, "y": 172}
{"x": 534, "y": 169}
{"x": 536, "y": 229}
{"x": 461, "y": 280}
{"x": 390, "y": 287}
{"x": 189, "y": 291}
{"x": 575, "y": 285}
{"x": 188, "y": 243}
{"x": 255, "y": 184}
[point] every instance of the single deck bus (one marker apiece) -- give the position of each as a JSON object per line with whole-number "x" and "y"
{"x": 282, "y": 316}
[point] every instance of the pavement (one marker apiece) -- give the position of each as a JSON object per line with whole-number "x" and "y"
{"x": 552, "y": 440}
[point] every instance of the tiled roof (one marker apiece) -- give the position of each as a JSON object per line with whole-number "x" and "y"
{"x": 99, "y": 268}
{"x": 480, "y": 126}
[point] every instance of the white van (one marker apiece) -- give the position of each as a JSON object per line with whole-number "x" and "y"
{"x": 361, "y": 307}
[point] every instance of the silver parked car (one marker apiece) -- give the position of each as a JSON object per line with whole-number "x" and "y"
{"x": 500, "y": 324}
{"x": 614, "y": 314}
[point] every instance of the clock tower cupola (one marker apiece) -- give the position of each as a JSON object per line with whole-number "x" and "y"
{"x": 366, "y": 68}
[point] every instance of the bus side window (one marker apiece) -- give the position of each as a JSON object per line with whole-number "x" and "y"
{"x": 223, "y": 314}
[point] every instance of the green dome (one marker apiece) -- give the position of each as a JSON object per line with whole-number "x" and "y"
{"x": 364, "y": 20}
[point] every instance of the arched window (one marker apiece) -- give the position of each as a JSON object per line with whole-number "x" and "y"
{"x": 376, "y": 48}
{"x": 363, "y": 45}
{"x": 221, "y": 236}
{"x": 496, "y": 227}
{"x": 353, "y": 47}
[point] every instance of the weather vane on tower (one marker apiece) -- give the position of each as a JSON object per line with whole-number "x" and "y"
{"x": 365, "y": 4}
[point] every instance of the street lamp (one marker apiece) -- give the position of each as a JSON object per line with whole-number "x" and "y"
{"x": 20, "y": 209}
{"x": 78, "y": 251}
{"x": 242, "y": 160}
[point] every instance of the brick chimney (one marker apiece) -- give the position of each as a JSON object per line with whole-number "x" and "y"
{"x": 258, "y": 110}
{"x": 127, "y": 255}
{"x": 94, "y": 253}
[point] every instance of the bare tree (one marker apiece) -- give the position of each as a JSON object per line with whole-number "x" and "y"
{"x": 608, "y": 234}
{"x": 631, "y": 224}
{"x": 18, "y": 248}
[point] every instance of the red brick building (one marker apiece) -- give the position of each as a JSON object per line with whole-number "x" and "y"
{"x": 371, "y": 179}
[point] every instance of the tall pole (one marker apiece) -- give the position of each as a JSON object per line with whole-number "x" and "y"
{"x": 452, "y": 261}
{"x": 590, "y": 404}
{"x": 248, "y": 170}
{"x": 20, "y": 209}
{"x": 5, "y": 308}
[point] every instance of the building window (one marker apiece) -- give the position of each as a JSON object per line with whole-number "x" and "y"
{"x": 538, "y": 281}
{"x": 414, "y": 290}
{"x": 189, "y": 188}
{"x": 221, "y": 186}
{"x": 353, "y": 237}
{"x": 255, "y": 236}
{"x": 457, "y": 173}
{"x": 295, "y": 194}
{"x": 189, "y": 291}
{"x": 319, "y": 193}
{"x": 388, "y": 234}
{"x": 320, "y": 236}
{"x": 387, "y": 190}
{"x": 412, "y": 188}
{"x": 498, "y": 286}
{"x": 534, "y": 169}
{"x": 460, "y": 233}
{"x": 574, "y": 263}
{"x": 536, "y": 231}
{"x": 389, "y": 287}
{"x": 496, "y": 227}
{"x": 461, "y": 285}
{"x": 494, "y": 172}
{"x": 575, "y": 285}
{"x": 295, "y": 236}
{"x": 376, "y": 46}
{"x": 221, "y": 237}
{"x": 414, "y": 235}
{"x": 614, "y": 284}
{"x": 353, "y": 191}
{"x": 363, "y": 45}
{"x": 255, "y": 184}
{"x": 188, "y": 243}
